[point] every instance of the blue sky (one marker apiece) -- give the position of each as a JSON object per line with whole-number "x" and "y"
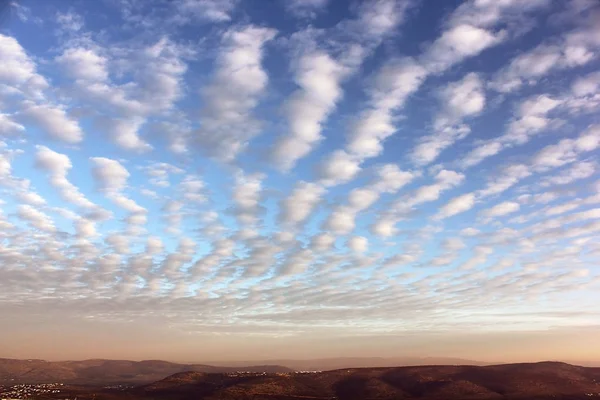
{"x": 275, "y": 162}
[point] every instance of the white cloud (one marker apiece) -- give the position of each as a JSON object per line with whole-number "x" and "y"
{"x": 394, "y": 82}
{"x": 54, "y": 121}
{"x": 491, "y": 13}
{"x": 470, "y": 232}
{"x": 458, "y": 43}
{"x": 159, "y": 78}
{"x": 5, "y": 166}
{"x": 573, "y": 49}
{"x": 480, "y": 153}
{"x": 499, "y": 210}
{"x": 585, "y": 96}
{"x": 479, "y": 257}
{"x": 22, "y": 12}
{"x": 299, "y": 205}
{"x": 85, "y": 228}
{"x": 379, "y": 17}
{"x": 508, "y": 177}
{"x": 338, "y": 168}
{"x": 18, "y": 69}
{"x": 358, "y": 244}
{"x": 204, "y": 10}
{"x": 176, "y": 134}
{"x": 160, "y": 175}
{"x": 453, "y": 244}
{"x": 70, "y": 21}
{"x": 152, "y": 85}
{"x": 586, "y": 85}
{"x": 85, "y": 64}
{"x": 342, "y": 219}
{"x": 550, "y": 226}
{"x": 390, "y": 179}
{"x": 318, "y": 77}
{"x": 451, "y": 247}
{"x": 57, "y": 166}
{"x": 527, "y": 68}
{"x": 545, "y": 198}
{"x": 36, "y": 218}
{"x": 149, "y": 193}
{"x": 567, "y": 150}
{"x": 109, "y": 175}
{"x": 111, "y": 179}
{"x": 384, "y": 227}
{"x": 8, "y": 126}
{"x": 129, "y": 205}
{"x": 456, "y": 205}
{"x": 399, "y": 79}
{"x": 192, "y": 189}
{"x": 124, "y": 133}
{"x": 322, "y": 242}
{"x": 561, "y": 209}
{"x": 401, "y": 208}
{"x": 238, "y": 83}
{"x": 305, "y": 8}
{"x": 246, "y": 197}
{"x": 445, "y": 179}
{"x": 31, "y": 198}
{"x": 156, "y": 86}
{"x": 409, "y": 255}
{"x": 581, "y": 170}
{"x": 360, "y": 199}
{"x": 430, "y": 147}
{"x": 119, "y": 243}
{"x": 465, "y": 98}
{"x": 172, "y": 206}
{"x": 552, "y": 156}
{"x": 461, "y": 99}
{"x": 531, "y": 119}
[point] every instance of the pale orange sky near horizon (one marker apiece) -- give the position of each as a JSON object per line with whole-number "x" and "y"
{"x": 123, "y": 341}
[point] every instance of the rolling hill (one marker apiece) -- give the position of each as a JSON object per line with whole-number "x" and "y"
{"x": 102, "y": 372}
{"x": 545, "y": 380}
{"x": 551, "y": 380}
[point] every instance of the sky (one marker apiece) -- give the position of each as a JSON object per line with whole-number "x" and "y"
{"x": 254, "y": 179}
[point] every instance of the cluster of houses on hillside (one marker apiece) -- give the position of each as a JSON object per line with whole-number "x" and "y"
{"x": 18, "y": 392}
{"x": 252, "y": 373}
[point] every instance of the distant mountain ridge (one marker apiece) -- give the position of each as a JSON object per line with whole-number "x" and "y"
{"x": 324, "y": 364}
{"x": 98, "y": 371}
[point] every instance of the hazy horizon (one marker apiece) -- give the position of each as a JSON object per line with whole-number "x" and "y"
{"x": 205, "y": 180}
{"x": 562, "y": 345}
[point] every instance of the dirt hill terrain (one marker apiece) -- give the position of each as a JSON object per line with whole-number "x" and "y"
{"x": 547, "y": 380}
{"x": 513, "y": 381}
{"x": 104, "y": 372}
